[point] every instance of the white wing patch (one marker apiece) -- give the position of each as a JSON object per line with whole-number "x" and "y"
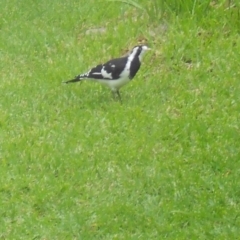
{"x": 105, "y": 74}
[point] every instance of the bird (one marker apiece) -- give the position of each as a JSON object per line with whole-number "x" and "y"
{"x": 117, "y": 72}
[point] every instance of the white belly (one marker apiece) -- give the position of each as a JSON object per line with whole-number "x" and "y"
{"x": 115, "y": 84}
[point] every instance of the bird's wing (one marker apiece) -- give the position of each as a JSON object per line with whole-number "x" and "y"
{"x": 116, "y": 66}
{"x": 110, "y": 70}
{"x": 95, "y": 72}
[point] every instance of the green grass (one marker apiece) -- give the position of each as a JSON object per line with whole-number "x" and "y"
{"x": 75, "y": 164}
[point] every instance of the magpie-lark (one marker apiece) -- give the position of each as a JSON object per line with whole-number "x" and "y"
{"x": 116, "y": 72}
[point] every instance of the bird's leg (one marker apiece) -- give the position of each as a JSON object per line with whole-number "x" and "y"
{"x": 119, "y": 96}
{"x": 116, "y": 92}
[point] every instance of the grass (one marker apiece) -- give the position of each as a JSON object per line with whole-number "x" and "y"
{"x": 75, "y": 164}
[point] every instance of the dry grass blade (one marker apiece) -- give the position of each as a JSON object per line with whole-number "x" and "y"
{"x": 129, "y": 2}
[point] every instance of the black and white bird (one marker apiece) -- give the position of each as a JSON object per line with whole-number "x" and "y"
{"x": 116, "y": 72}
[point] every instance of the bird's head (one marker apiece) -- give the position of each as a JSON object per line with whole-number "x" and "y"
{"x": 140, "y": 50}
{"x": 145, "y": 47}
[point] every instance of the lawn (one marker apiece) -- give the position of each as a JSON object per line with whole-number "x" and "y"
{"x": 77, "y": 164}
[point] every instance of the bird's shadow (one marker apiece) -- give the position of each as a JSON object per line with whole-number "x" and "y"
{"x": 93, "y": 98}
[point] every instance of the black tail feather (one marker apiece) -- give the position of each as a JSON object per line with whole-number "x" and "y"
{"x": 77, "y": 79}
